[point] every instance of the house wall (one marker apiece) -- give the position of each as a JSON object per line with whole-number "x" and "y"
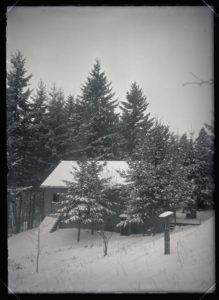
{"x": 49, "y": 207}
{"x": 110, "y": 221}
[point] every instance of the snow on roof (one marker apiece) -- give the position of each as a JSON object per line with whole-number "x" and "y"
{"x": 166, "y": 214}
{"x": 63, "y": 171}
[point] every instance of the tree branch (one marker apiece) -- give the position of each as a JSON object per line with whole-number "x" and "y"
{"x": 200, "y": 81}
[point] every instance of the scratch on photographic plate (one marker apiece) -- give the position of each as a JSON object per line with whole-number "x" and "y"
{"x": 210, "y": 8}
{"x": 9, "y": 289}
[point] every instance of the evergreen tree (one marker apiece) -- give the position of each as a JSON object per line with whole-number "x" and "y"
{"x": 187, "y": 161}
{"x": 73, "y": 121}
{"x": 86, "y": 201}
{"x": 136, "y": 122}
{"x": 18, "y": 121}
{"x": 18, "y": 137}
{"x": 98, "y": 131}
{"x": 39, "y": 131}
{"x": 204, "y": 169}
{"x": 158, "y": 181}
{"x": 155, "y": 145}
{"x": 186, "y": 151}
{"x": 57, "y": 135}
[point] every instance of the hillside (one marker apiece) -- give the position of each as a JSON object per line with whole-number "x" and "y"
{"x": 134, "y": 263}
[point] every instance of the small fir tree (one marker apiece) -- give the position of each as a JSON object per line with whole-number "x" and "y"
{"x": 85, "y": 200}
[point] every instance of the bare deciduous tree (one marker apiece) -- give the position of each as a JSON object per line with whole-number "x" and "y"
{"x": 106, "y": 239}
{"x": 200, "y": 81}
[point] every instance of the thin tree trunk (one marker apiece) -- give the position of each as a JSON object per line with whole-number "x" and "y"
{"x": 14, "y": 216}
{"x": 174, "y": 217}
{"x": 22, "y": 220}
{"x": 33, "y": 210}
{"x": 92, "y": 227}
{"x": 79, "y": 231}
{"x": 38, "y": 250}
{"x": 29, "y": 211}
{"x": 105, "y": 247}
{"x": 19, "y": 213}
{"x": 153, "y": 226}
{"x": 42, "y": 205}
{"x": 8, "y": 210}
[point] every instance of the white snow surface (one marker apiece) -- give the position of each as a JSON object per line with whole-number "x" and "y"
{"x": 134, "y": 263}
{"x": 62, "y": 173}
{"x": 47, "y": 224}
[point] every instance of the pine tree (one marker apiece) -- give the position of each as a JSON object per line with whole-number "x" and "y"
{"x": 98, "y": 130}
{"x": 136, "y": 122}
{"x": 86, "y": 201}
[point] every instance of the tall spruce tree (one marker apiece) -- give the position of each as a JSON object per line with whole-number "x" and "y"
{"x": 57, "y": 136}
{"x": 98, "y": 130}
{"x": 18, "y": 121}
{"x": 73, "y": 120}
{"x": 40, "y": 129}
{"x": 135, "y": 121}
{"x": 18, "y": 137}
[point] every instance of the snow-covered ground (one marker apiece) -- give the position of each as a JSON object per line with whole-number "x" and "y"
{"x": 134, "y": 263}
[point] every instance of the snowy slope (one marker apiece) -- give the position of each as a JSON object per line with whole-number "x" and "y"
{"x": 133, "y": 264}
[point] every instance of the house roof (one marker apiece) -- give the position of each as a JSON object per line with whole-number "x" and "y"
{"x": 63, "y": 171}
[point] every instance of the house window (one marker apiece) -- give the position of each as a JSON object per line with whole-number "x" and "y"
{"x": 55, "y": 198}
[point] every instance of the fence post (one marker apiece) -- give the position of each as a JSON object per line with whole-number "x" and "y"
{"x": 166, "y": 215}
{"x": 167, "y": 237}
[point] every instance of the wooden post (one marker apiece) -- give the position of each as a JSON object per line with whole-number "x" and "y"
{"x": 167, "y": 237}
{"x": 166, "y": 215}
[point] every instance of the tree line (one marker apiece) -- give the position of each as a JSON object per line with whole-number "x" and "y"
{"x": 44, "y": 127}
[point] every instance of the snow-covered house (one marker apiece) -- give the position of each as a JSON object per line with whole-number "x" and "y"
{"x": 56, "y": 182}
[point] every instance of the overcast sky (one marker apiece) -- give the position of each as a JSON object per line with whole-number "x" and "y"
{"x": 157, "y": 47}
